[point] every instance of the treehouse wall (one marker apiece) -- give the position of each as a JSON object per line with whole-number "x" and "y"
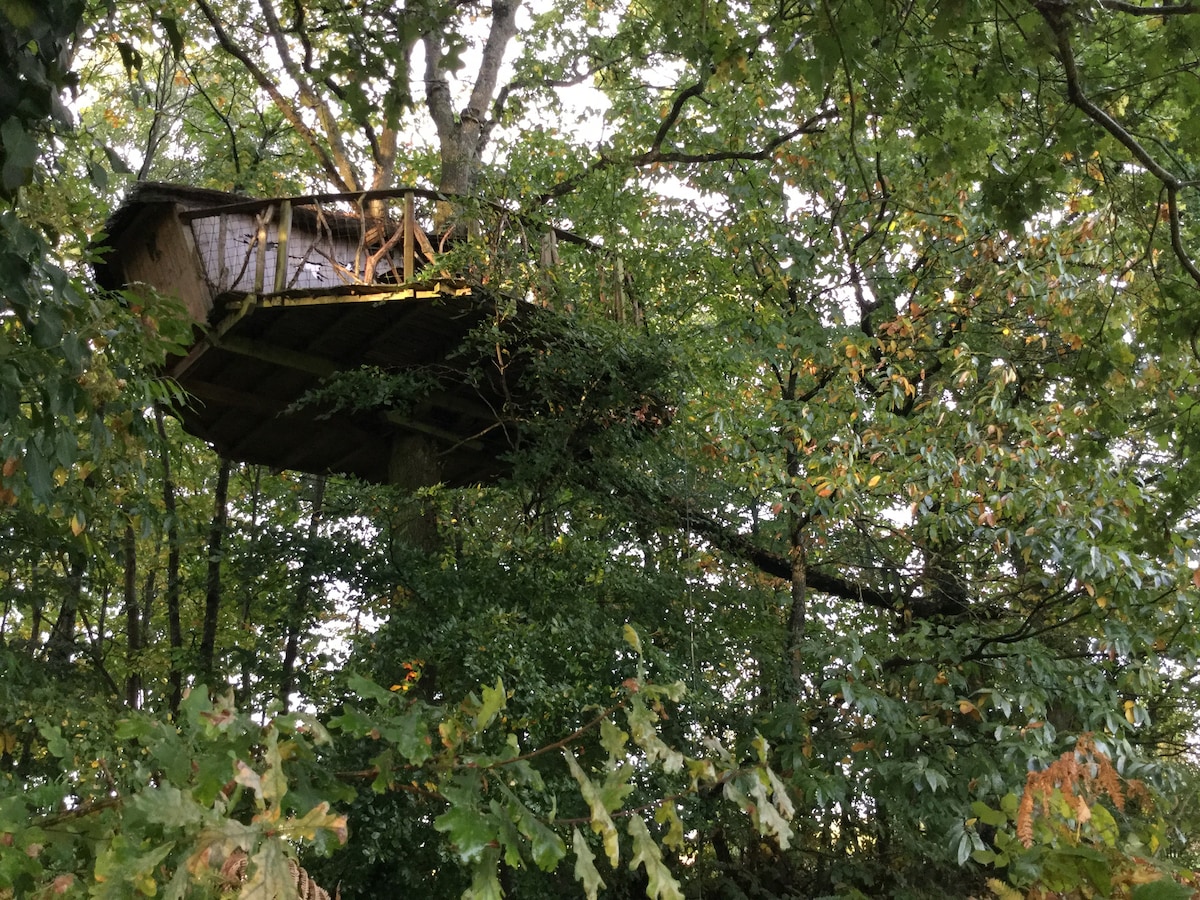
{"x": 157, "y": 249}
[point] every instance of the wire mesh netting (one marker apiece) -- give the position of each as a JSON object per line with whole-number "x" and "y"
{"x": 325, "y": 244}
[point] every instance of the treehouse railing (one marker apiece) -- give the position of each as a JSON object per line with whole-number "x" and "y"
{"x": 391, "y": 239}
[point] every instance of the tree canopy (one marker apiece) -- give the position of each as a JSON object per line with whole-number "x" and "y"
{"x": 861, "y": 561}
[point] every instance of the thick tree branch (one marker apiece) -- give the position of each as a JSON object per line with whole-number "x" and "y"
{"x": 504, "y": 28}
{"x": 1176, "y": 9}
{"x": 308, "y": 97}
{"x": 654, "y": 156}
{"x": 1054, "y": 12}
{"x": 681, "y": 514}
{"x": 462, "y": 137}
{"x": 283, "y": 104}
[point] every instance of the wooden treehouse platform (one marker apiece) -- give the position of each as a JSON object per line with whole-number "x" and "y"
{"x": 287, "y": 294}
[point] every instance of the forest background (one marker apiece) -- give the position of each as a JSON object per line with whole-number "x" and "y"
{"x": 896, "y": 595}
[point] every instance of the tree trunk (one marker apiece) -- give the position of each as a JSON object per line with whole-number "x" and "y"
{"x": 414, "y": 465}
{"x": 463, "y": 136}
{"x": 299, "y": 609}
{"x": 133, "y": 623}
{"x": 253, "y": 537}
{"x": 797, "y": 558}
{"x": 62, "y": 636}
{"x": 174, "y": 588}
{"x": 212, "y": 592}
{"x": 797, "y": 616}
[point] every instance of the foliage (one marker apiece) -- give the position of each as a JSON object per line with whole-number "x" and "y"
{"x": 847, "y": 541}
{"x": 1060, "y": 840}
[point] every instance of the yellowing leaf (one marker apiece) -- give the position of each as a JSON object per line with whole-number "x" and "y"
{"x": 493, "y": 701}
{"x": 1083, "y": 812}
{"x": 602, "y": 822}
{"x": 661, "y": 883}
{"x": 247, "y": 777}
{"x": 632, "y": 639}
{"x": 268, "y": 876}
{"x": 585, "y": 866}
{"x": 316, "y": 819}
{"x": 875, "y": 479}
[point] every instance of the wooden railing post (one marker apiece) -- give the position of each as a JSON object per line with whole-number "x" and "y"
{"x": 409, "y": 238}
{"x": 281, "y": 244}
{"x": 260, "y": 263}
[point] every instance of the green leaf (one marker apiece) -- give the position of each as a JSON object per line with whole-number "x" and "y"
{"x": 485, "y": 880}
{"x": 643, "y": 725}
{"x": 470, "y": 830}
{"x": 1163, "y": 889}
{"x": 353, "y": 721}
{"x": 20, "y": 13}
{"x": 545, "y": 844}
{"x": 168, "y": 805}
{"x": 247, "y": 777}
{"x": 410, "y": 734}
{"x": 174, "y": 35}
{"x": 1104, "y": 825}
{"x": 319, "y": 818}
{"x": 674, "y": 838}
{"x": 20, "y": 155}
{"x": 769, "y": 819}
{"x": 127, "y": 868}
{"x": 988, "y": 816}
{"x": 274, "y": 780}
{"x": 613, "y": 739}
{"x": 369, "y": 690}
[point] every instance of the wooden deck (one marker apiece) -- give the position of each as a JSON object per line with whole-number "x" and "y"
{"x": 288, "y": 296}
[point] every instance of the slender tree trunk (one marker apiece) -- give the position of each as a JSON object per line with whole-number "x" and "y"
{"x": 798, "y": 558}
{"x": 255, "y": 495}
{"x": 133, "y": 623}
{"x": 797, "y": 614}
{"x": 212, "y": 594}
{"x": 299, "y": 609}
{"x": 62, "y": 636}
{"x": 174, "y": 588}
{"x": 39, "y": 604}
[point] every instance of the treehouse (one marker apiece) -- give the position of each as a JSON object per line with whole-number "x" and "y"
{"x": 340, "y": 333}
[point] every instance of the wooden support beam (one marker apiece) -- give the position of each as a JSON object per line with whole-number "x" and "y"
{"x": 480, "y": 411}
{"x": 177, "y": 369}
{"x": 441, "y": 434}
{"x": 279, "y": 356}
{"x": 225, "y": 396}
